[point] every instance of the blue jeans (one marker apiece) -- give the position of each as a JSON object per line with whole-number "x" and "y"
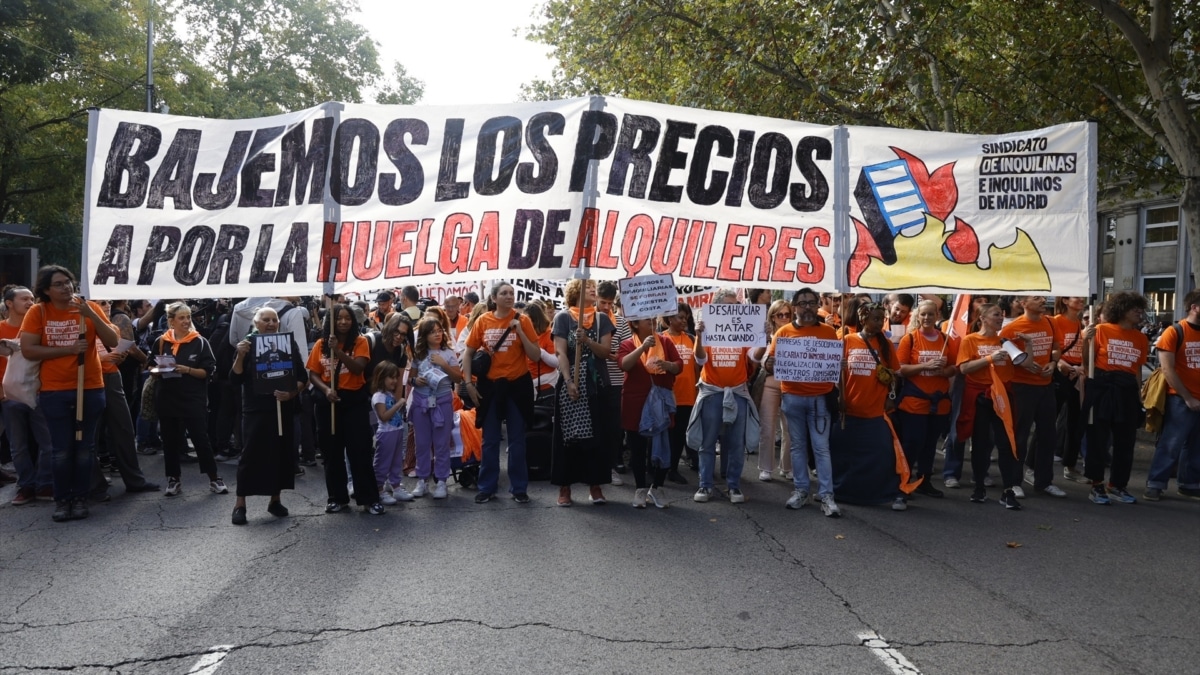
{"x": 1179, "y": 442}
{"x": 733, "y": 441}
{"x": 72, "y": 459}
{"x": 489, "y": 466}
{"x": 24, "y": 424}
{"x": 809, "y": 423}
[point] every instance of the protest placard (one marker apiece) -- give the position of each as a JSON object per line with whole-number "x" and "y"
{"x": 730, "y": 325}
{"x": 648, "y": 296}
{"x": 273, "y": 363}
{"x": 807, "y": 359}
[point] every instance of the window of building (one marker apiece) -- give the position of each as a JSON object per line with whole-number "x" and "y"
{"x": 1160, "y": 295}
{"x": 1110, "y": 233}
{"x": 1161, "y": 226}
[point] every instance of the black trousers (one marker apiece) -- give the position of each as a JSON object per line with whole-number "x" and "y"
{"x": 1034, "y": 409}
{"x": 988, "y": 433}
{"x": 175, "y": 442}
{"x": 351, "y": 440}
{"x": 640, "y": 462}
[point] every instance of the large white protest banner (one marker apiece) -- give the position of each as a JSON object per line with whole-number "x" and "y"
{"x": 807, "y": 359}
{"x": 735, "y": 325}
{"x": 648, "y": 296}
{"x": 351, "y": 198}
{"x": 936, "y": 212}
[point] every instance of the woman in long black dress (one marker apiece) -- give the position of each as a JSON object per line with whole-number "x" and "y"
{"x": 266, "y": 464}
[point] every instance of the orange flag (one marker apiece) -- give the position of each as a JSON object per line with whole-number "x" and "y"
{"x": 959, "y": 315}
{"x": 1003, "y": 409}
{"x": 902, "y": 469}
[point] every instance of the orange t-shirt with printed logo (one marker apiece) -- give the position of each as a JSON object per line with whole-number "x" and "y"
{"x": 916, "y": 349}
{"x": 1068, "y": 329}
{"x": 1121, "y": 349}
{"x": 974, "y": 347}
{"x": 864, "y": 394}
{"x": 508, "y": 362}
{"x": 1187, "y": 358}
{"x": 1045, "y": 340}
{"x": 685, "y": 382}
{"x": 726, "y": 366}
{"x": 791, "y": 330}
{"x": 321, "y": 363}
{"x": 61, "y": 329}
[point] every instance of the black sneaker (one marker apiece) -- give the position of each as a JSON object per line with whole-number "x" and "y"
{"x": 979, "y": 496}
{"x": 334, "y": 507}
{"x": 62, "y": 511}
{"x": 375, "y": 509}
{"x": 79, "y": 509}
{"x": 676, "y": 477}
{"x": 276, "y": 509}
{"x": 308, "y": 462}
{"x": 484, "y": 497}
{"x": 521, "y": 498}
{"x": 239, "y": 515}
{"x": 1009, "y": 500}
{"x": 926, "y": 488}
{"x": 1190, "y": 493}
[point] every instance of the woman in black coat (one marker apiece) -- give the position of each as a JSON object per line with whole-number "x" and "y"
{"x": 269, "y": 448}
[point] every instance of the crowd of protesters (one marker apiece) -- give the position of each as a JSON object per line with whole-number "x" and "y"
{"x": 383, "y": 389}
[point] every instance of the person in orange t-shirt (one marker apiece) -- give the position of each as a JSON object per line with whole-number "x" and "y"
{"x": 1033, "y": 392}
{"x": 505, "y": 392}
{"x": 1068, "y": 321}
{"x": 51, "y": 334}
{"x": 861, "y": 444}
{"x": 1113, "y": 395}
{"x": 808, "y": 413}
{"x": 927, "y": 362}
{"x": 685, "y": 393}
{"x": 343, "y": 411}
{"x": 1179, "y": 443}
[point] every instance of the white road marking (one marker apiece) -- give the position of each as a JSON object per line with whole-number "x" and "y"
{"x": 208, "y": 664}
{"x": 892, "y": 658}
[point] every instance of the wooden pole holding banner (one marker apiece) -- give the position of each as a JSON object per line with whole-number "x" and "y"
{"x": 330, "y": 336}
{"x": 279, "y": 416}
{"x": 583, "y": 274}
{"x": 1091, "y": 362}
{"x": 79, "y": 380}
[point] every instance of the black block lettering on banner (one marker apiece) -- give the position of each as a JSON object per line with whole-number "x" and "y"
{"x": 767, "y": 192}
{"x": 699, "y": 190}
{"x": 114, "y": 264}
{"x": 354, "y": 190}
{"x": 533, "y": 181}
{"x": 485, "y": 154}
{"x": 164, "y": 242}
{"x": 198, "y": 244}
{"x": 410, "y": 174}
{"x": 174, "y": 176}
{"x": 552, "y": 237}
{"x": 259, "y": 274}
{"x": 810, "y": 148}
{"x": 741, "y": 167}
{"x": 133, "y": 145}
{"x": 670, "y": 157}
{"x": 304, "y": 165}
{"x": 258, "y": 163}
{"x": 527, "y": 235}
{"x": 227, "y": 253}
{"x": 226, "y": 188}
{"x": 447, "y": 187}
{"x": 639, "y": 137}
{"x": 294, "y": 261}
{"x": 597, "y": 135}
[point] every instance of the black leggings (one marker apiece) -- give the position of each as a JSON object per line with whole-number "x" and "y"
{"x": 989, "y": 429}
{"x": 639, "y": 452}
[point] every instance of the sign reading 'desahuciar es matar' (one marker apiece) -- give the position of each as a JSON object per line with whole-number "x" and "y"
{"x": 350, "y": 197}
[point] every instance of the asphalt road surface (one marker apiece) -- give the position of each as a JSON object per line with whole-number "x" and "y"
{"x": 150, "y": 584}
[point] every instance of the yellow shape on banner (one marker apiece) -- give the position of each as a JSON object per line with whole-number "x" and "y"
{"x": 920, "y": 262}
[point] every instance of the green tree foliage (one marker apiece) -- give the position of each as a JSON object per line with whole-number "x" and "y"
{"x": 968, "y": 66}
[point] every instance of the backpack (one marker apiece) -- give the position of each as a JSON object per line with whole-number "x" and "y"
{"x": 1154, "y": 391}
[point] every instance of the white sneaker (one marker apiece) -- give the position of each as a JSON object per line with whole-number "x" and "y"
{"x": 951, "y": 483}
{"x": 387, "y": 499}
{"x": 1054, "y": 491}
{"x": 421, "y": 490}
{"x": 702, "y": 495}
{"x": 656, "y": 497}
{"x": 787, "y": 475}
{"x": 1029, "y": 477}
{"x": 898, "y": 504}
{"x": 400, "y": 494}
{"x": 736, "y": 496}
{"x": 764, "y": 476}
{"x": 830, "y": 507}
{"x": 1017, "y": 491}
{"x": 988, "y": 481}
{"x": 798, "y": 499}
{"x": 1074, "y": 476}
{"x": 639, "y": 498}
{"x": 616, "y": 478}
{"x": 439, "y": 490}
{"x": 218, "y": 486}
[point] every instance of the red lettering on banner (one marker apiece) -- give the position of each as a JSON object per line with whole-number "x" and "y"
{"x": 732, "y": 250}
{"x": 456, "y": 250}
{"x": 814, "y": 237}
{"x": 370, "y": 267}
{"x": 487, "y": 245}
{"x": 692, "y": 248}
{"x": 758, "y": 253}
{"x": 421, "y": 266}
{"x": 604, "y": 256}
{"x": 784, "y": 253}
{"x": 339, "y": 250}
{"x": 703, "y": 269}
{"x": 640, "y": 231}
{"x": 662, "y": 262}
{"x": 585, "y": 240}
{"x": 399, "y": 245}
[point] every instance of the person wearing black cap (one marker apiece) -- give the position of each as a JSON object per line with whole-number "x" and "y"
{"x": 383, "y": 303}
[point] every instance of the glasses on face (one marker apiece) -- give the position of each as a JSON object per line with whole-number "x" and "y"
{"x": 63, "y": 284}
{"x": 783, "y": 315}
{"x": 805, "y": 303}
